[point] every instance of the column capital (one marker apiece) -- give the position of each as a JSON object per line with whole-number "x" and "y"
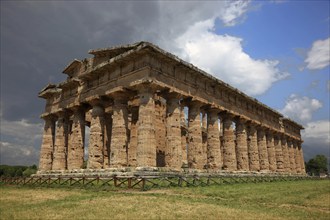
{"x": 241, "y": 120}
{"x": 195, "y": 103}
{"x": 78, "y": 108}
{"x": 269, "y": 135}
{"x": 50, "y": 117}
{"x": 226, "y": 115}
{"x": 62, "y": 113}
{"x": 213, "y": 110}
{"x": 172, "y": 96}
{"x": 97, "y": 110}
{"x": 283, "y": 138}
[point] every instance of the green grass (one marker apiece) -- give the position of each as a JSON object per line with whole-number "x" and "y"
{"x": 308, "y": 199}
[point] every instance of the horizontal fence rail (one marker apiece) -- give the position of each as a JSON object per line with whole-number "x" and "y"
{"x": 144, "y": 182}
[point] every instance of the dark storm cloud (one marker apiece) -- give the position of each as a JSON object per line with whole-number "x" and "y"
{"x": 38, "y": 39}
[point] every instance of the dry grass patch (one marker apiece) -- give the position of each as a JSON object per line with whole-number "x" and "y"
{"x": 282, "y": 200}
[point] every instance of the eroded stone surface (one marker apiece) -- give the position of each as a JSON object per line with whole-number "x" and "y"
{"x": 213, "y": 140}
{"x": 119, "y": 138}
{"x": 253, "y": 149}
{"x": 77, "y": 139}
{"x": 135, "y": 122}
{"x": 241, "y": 146}
{"x": 146, "y": 146}
{"x": 61, "y": 143}
{"x": 195, "y": 148}
{"x": 229, "y": 155}
{"x": 285, "y": 151}
{"x": 173, "y": 151}
{"x": 278, "y": 154}
{"x": 271, "y": 151}
{"x": 96, "y": 141}
{"x": 47, "y": 145}
{"x": 262, "y": 149}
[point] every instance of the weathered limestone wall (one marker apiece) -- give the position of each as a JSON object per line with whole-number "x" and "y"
{"x": 302, "y": 160}
{"x": 278, "y": 154}
{"x": 213, "y": 140}
{"x": 183, "y": 137}
{"x": 47, "y": 146}
{"x": 285, "y": 154}
{"x": 61, "y": 143}
{"x": 96, "y": 141}
{"x": 195, "y": 148}
{"x": 291, "y": 157}
{"x": 146, "y": 146}
{"x": 138, "y": 94}
{"x": 119, "y": 139}
{"x": 229, "y": 155}
{"x": 297, "y": 158}
{"x": 262, "y": 149}
{"x": 241, "y": 146}
{"x": 132, "y": 147}
{"x": 253, "y": 149}
{"x": 271, "y": 151}
{"x": 160, "y": 128}
{"x": 107, "y": 140}
{"x": 75, "y": 158}
{"x": 173, "y": 150}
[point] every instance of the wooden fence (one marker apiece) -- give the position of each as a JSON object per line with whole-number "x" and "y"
{"x": 145, "y": 182}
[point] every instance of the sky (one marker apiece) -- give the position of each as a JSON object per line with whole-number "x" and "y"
{"x": 275, "y": 51}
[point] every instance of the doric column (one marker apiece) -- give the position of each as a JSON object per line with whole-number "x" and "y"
{"x": 119, "y": 134}
{"x": 285, "y": 151}
{"x": 213, "y": 140}
{"x": 229, "y": 154}
{"x": 271, "y": 151}
{"x": 61, "y": 142}
{"x": 302, "y": 161}
{"x": 253, "y": 148}
{"x": 96, "y": 138}
{"x": 107, "y": 139}
{"x": 262, "y": 148}
{"x": 160, "y": 131}
{"x": 241, "y": 145}
{"x": 173, "y": 150}
{"x": 195, "y": 148}
{"x": 296, "y": 156}
{"x": 133, "y": 138}
{"x": 291, "y": 157}
{"x": 77, "y": 140}
{"x": 183, "y": 136}
{"x": 47, "y": 145}
{"x": 146, "y": 147}
{"x": 204, "y": 119}
{"x": 278, "y": 154}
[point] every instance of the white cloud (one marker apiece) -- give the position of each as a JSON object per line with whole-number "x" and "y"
{"x": 319, "y": 130}
{"x": 318, "y": 56}
{"x": 15, "y": 154}
{"x": 235, "y": 10}
{"x": 316, "y": 138}
{"x": 223, "y": 56}
{"x": 21, "y": 130}
{"x": 300, "y": 108}
{"x": 20, "y": 142}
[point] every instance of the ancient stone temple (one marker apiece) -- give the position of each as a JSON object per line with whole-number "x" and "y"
{"x": 146, "y": 108}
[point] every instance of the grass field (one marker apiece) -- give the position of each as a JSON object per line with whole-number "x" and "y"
{"x": 308, "y": 199}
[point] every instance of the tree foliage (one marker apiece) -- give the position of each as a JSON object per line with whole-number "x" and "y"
{"x": 17, "y": 171}
{"x": 317, "y": 165}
